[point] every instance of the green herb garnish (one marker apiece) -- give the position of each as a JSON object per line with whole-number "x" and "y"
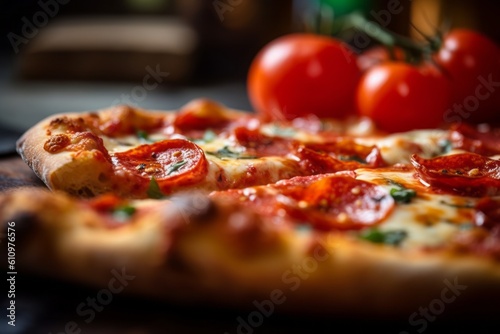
{"x": 393, "y": 238}
{"x": 225, "y": 152}
{"x": 401, "y": 194}
{"x": 445, "y": 145}
{"x": 122, "y": 213}
{"x": 466, "y": 226}
{"x": 154, "y": 190}
{"x": 141, "y": 134}
{"x": 283, "y": 132}
{"x": 209, "y": 136}
{"x": 175, "y": 166}
{"x": 458, "y": 206}
{"x": 351, "y": 158}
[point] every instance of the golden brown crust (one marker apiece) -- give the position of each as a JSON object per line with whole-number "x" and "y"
{"x": 224, "y": 255}
{"x": 59, "y": 169}
{"x": 66, "y": 152}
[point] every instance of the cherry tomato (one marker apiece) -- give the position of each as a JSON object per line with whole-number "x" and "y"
{"x": 401, "y": 97}
{"x": 301, "y": 74}
{"x": 472, "y": 62}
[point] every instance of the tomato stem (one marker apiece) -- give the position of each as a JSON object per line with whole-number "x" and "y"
{"x": 384, "y": 36}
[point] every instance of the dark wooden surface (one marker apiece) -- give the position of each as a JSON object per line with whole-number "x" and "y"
{"x": 15, "y": 173}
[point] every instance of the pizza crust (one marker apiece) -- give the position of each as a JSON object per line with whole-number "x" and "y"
{"x": 211, "y": 259}
{"x": 61, "y": 171}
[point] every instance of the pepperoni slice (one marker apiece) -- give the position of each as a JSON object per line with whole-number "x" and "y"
{"x": 483, "y": 140}
{"x": 201, "y": 115}
{"x": 484, "y": 240}
{"x": 346, "y": 149}
{"x": 171, "y": 162}
{"x": 342, "y": 203}
{"x": 260, "y": 144}
{"x": 341, "y": 155}
{"x": 326, "y": 202}
{"x": 487, "y": 213}
{"x": 312, "y": 162}
{"x": 104, "y": 203}
{"x": 124, "y": 120}
{"x": 466, "y": 174}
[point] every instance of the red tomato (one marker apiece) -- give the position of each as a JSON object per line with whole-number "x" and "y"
{"x": 303, "y": 74}
{"x": 472, "y": 62}
{"x": 401, "y": 97}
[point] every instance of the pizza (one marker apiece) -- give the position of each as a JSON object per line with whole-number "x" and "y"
{"x": 207, "y": 205}
{"x": 366, "y": 185}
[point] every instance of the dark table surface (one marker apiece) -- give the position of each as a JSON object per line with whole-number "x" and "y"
{"x": 47, "y": 305}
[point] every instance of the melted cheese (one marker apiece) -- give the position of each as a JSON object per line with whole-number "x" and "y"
{"x": 398, "y": 147}
{"x": 224, "y": 171}
{"x": 429, "y": 219}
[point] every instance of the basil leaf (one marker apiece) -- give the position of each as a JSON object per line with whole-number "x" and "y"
{"x": 400, "y": 193}
{"x": 143, "y": 135}
{"x": 154, "y": 190}
{"x": 175, "y": 166}
{"x": 123, "y": 213}
{"x": 351, "y": 158}
{"x": 393, "y": 238}
{"x": 458, "y": 206}
{"x": 373, "y": 235}
{"x": 283, "y": 131}
{"x": 225, "y": 152}
{"x": 403, "y": 195}
{"x": 209, "y": 136}
{"x": 445, "y": 145}
{"x": 466, "y": 226}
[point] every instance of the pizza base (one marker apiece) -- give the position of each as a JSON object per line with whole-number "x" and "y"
{"x": 82, "y": 177}
{"x": 206, "y": 261}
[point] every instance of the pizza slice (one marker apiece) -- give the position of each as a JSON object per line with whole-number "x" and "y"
{"x": 205, "y": 146}
{"x": 366, "y": 242}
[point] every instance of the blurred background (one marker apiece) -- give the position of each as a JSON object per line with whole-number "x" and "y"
{"x": 71, "y": 55}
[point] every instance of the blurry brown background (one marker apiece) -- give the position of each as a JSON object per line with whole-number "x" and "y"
{"x": 89, "y": 54}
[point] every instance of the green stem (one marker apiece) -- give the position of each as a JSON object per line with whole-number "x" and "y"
{"x": 381, "y": 34}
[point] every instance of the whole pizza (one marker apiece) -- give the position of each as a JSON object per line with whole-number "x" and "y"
{"x": 305, "y": 207}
